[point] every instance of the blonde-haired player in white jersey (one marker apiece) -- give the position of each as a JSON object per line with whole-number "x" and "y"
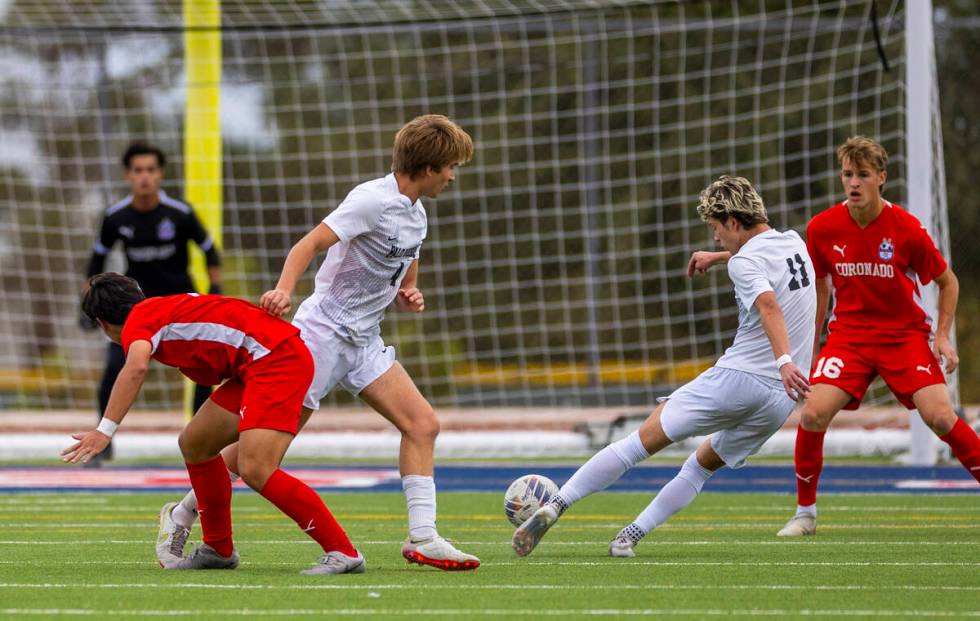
{"x": 744, "y": 398}
{"x": 372, "y": 240}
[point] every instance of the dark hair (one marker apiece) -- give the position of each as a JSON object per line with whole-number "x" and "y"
{"x": 110, "y": 297}
{"x": 142, "y": 148}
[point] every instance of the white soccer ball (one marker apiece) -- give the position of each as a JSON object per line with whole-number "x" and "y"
{"x": 526, "y": 495}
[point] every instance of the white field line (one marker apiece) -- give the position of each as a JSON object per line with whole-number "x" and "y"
{"x": 103, "y": 504}
{"x": 502, "y": 542}
{"x": 494, "y": 612}
{"x": 148, "y": 523}
{"x": 490, "y": 587}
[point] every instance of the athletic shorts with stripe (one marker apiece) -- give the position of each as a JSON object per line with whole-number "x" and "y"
{"x": 270, "y": 393}
{"x": 906, "y": 365}
{"x": 741, "y": 409}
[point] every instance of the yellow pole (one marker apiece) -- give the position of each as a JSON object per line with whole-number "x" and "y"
{"x": 202, "y": 130}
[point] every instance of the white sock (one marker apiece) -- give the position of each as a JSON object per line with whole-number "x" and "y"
{"x": 677, "y": 494}
{"x": 420, "y": 496}
{"x": 185, "y": 513}
{"x": 810, "y": 510}
{"x": 603, "y": 469}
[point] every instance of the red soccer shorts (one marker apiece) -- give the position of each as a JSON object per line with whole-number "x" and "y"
{"x": 270, "y": 393}
{"x": 905, "y": 365}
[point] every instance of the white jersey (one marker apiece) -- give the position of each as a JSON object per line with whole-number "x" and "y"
{"x": 777, "y": 262}
{"x": 381, "y": 233}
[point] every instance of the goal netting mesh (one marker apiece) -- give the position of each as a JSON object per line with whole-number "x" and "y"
{"x": 554, "y": 270}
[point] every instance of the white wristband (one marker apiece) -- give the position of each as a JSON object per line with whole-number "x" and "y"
{"x": 107, "y": 427}
{"x": 784, "y": 359}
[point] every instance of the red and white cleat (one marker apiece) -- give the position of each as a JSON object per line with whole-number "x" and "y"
{"x": 438, "y": 553}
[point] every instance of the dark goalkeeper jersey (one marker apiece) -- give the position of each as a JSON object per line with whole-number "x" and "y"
{"x": 155, "y": 243}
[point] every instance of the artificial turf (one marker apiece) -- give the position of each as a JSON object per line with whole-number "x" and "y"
{"x": 91, "y": 555}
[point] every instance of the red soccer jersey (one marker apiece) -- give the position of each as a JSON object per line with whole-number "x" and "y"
{"x": 873, "y": 271}
{"x": 210, "y": 338}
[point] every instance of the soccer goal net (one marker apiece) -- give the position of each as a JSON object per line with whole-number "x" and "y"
{"x": 554, "y": 269}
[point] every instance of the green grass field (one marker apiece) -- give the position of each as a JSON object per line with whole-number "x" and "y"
{"x": 91, "y": 556}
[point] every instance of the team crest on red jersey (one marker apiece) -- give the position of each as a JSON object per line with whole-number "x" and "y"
{"x": 886, "y": 250}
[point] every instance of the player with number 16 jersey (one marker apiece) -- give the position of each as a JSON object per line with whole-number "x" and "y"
{"x": 877, "y": 301}
{"x": 873, "y": 256}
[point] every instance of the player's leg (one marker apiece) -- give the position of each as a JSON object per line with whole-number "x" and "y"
{"x": 936, "y": 409}
{"x": 819, "y": 409}
{"x": 211, "y": 429}
{"x": 184, "y": 513}
{"x": 913, "y": 373}
{"x": 272, "y": 403}
{"x": 260, "y": 453}
{"x": 394, "y": 395}
{"x": 601, "y": 471}
{"x": 177, "y": 518}
{"x": 840, "y": 377}
{"x": 742, "y": 411}
{"x": 677, "y": 494}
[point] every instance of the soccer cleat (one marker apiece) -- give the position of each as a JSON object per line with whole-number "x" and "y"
{"x": 438, "y": 553}
{"x": 527, "y": 537}
{"x": 171, "y": 537}
{"x": 799, "y": 526}
{"x": 205, "y": 557}
{"x": 621, "y": 547}
{"x": 337, "y": 562}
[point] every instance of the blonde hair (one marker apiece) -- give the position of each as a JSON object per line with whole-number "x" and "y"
{"x": 429, "y": 140}
{"x": 732, "y": 197}
{"x": 861, "y": 150}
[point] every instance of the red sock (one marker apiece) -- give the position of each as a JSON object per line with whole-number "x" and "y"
{"x": 966, "y": 446}
{"x": 297, "y": 500}
{"x": 213, "y": 490}
{"x": 809, "y": 462}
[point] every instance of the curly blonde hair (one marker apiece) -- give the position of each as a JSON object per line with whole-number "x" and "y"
{"x": 732, "y": 197}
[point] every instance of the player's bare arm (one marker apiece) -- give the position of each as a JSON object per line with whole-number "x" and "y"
{"x": 124, "y": 392}
{"x": 702, "y": 260}
{"x": 949, "y": 293}
{"x": 794, "y": 380}
{"x": 278, "y": 301}
{"x": 822, "y": 289}
{"x": 409, "y": 298}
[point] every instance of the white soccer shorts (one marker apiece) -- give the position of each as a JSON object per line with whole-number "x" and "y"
{"x": 336, "y": 360}
{"x": 741, "y": 409}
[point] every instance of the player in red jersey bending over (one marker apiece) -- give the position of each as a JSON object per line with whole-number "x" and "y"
{"x": 872, "y": 250}
{"x": 268, "y": 370}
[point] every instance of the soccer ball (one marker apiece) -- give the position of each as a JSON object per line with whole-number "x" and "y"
{"x": 526, "y": 495}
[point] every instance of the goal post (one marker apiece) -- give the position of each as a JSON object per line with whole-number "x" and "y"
{"x": 926, "y": 183}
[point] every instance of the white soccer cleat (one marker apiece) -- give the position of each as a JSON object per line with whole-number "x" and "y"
{"x": 527, "y": 537}
{"x": 171, "y": 538}
{"x": 205, "y": 557}
{"x": 621, "y": 547}
{"x": 337, "y": 562}
{"x": 799, "y": 526}
{"x": 438, "y": 553}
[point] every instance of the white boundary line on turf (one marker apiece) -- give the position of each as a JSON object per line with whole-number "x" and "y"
{"x": 488, "y": 587}
{"x": 503, "y": 542}
{"x": 658, "y": 543}
{"x": 496, "y": 612}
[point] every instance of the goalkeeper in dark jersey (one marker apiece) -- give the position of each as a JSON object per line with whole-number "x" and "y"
{"x": 154, "y": 229}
